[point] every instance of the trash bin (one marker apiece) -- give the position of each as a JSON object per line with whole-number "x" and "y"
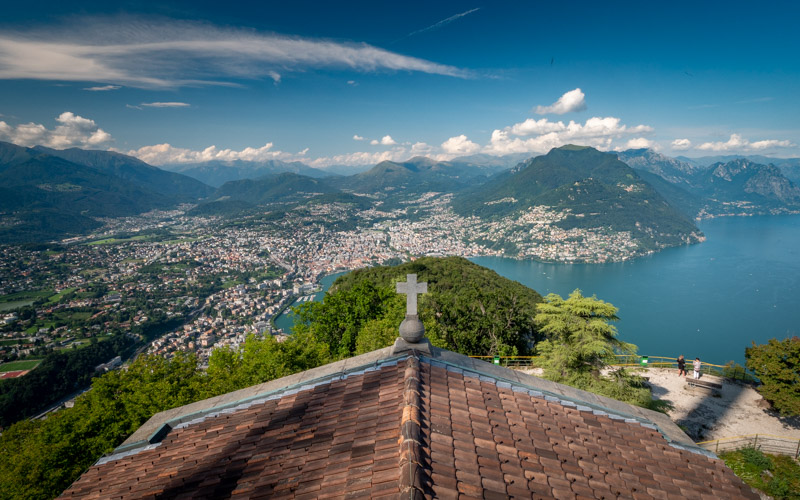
{"x": 643, "y": 361}
{"x": 497, "y": 360}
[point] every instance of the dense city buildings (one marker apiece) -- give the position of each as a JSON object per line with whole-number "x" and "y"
{"x": 188, "y": 283}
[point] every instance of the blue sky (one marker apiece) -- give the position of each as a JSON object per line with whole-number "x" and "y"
{"x": 359, "y": 82}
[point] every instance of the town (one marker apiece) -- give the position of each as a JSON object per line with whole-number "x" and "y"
{"x": 176, "y": 282}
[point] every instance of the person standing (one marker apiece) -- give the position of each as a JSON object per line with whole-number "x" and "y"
{"x": 697, "y": 366}
{"x": 681, "y": 366}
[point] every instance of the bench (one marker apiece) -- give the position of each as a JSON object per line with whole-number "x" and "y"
{"x": 705, "y": 384}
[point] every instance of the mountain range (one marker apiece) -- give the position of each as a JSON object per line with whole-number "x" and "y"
{"x": 216, "y": 173}
{"x": 48, "y": 193}
{"x": 734, "y": 186}
{"x": 596, "y": 188}
{"x": 415, "y": 176}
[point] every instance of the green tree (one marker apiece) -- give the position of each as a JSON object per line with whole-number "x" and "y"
{"x": 468, "y": 309}
{"x": 39, "y": 459}
{"x": 337, "y": 320}
{"x": 262, "y": 360}
{"x": 582, "y": 342}
{"x": 777, "y": 365}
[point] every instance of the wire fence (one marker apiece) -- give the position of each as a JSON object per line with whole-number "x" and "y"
{"x": 730, "y": 371}
{"x": 767, "y": 443}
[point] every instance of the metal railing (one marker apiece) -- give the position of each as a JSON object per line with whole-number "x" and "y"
{"x": 730, "y": 371}
{"x": 768, "y": 443}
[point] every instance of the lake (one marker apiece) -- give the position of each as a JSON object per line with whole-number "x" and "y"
{"x": 709, "y": 300}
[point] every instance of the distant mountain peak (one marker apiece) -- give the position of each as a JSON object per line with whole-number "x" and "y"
{"x": 574, "y": 147}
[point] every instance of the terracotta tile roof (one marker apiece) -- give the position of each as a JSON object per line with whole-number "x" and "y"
{"x": 410, "y": 427}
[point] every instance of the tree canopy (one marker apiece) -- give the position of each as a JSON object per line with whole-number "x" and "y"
{"x": 581, "y": 343}
{"x": 777, "y": 365}
{"x": 468, "y": 309}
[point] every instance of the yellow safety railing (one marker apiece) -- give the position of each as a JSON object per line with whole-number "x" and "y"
{"x": 731, "y": 370}
{"x": 776, "y": 445}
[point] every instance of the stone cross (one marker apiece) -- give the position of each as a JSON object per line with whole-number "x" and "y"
{"x": 411, "y": 288}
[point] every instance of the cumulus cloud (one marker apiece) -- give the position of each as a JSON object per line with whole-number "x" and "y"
{"x": 72, "y": 131}
{"x": 147, "y": 52}
{"x": 104, "y": 88}
{"x": 165, "y": 104}
{"x": 361, "y": 158}
{"x": 681, "y": 144}
{"x": 534, "y": 127}
{"x": 357, "y": 137}
{"x": 421, "y": 148}
{"x": 596, "y": 131}
{"x": 639, "y": 143}
{"x": 738, "y": 143}
{"x": 386, "y": 140}
{"x": 166, "y": 154}
{"x": 574, "y": 100}
{"x": 460, "y": 145}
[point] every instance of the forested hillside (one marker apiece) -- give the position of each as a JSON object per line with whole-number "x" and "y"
{"x": 595, "y": 188}
{"x": 468, "y": 309}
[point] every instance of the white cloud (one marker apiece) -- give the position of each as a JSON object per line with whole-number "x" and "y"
{"x": 386, "y": 140}
{"x": 460, "y": 145}
{"x": 357, "y": 137}
{"x": 146, "y": 52}
{"x": 421, "y": 148}
{"x": 165, "y": 104}
{"x": 574, "y": 100}
{"x": 165, "y": 154}
{"x": 681, "y": 144}
{"x": 534, "y": 127}
{"x": 362, "y": 158}
{"x": 738, "y": 143}
{"x": 103, "y": 88}
{"x": 596, "y": 132}
{"x": 639, "y": 143}
{"x": 72, "y": 131}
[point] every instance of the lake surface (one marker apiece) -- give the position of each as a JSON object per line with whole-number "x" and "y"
{"x": 709, "y": 300}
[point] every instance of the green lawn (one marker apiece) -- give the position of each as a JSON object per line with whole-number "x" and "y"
{"x": 20, "y": 365}
{"x": 37, "y": 294}
{"x": 11, "y": 342}
{"x": 232, "y": 283}
{"x": 112, "y": 241}
{"x": 57, "y": 297}
{"x": 10, "y": 306}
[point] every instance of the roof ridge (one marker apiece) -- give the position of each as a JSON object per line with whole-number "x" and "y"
{"x": 414, "y": 477}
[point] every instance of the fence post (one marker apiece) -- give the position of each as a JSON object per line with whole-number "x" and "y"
{"x": 716, "y": 450}
{"x": 797, "y": 453}
{"x": 755, "y": 442}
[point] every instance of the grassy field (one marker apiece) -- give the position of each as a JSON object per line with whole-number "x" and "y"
{"x": 10, "y": 306}
{"x": 11, "y": 342}
{"x": 55, "y": 298}
{"x": 114, "y": 241}
{"x": 19, "y": 365}
{"x": 31, "y": 295}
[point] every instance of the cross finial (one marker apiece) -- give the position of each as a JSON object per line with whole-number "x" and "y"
{"x": 411, "y": 329}
{"x": 411, "y": 288}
